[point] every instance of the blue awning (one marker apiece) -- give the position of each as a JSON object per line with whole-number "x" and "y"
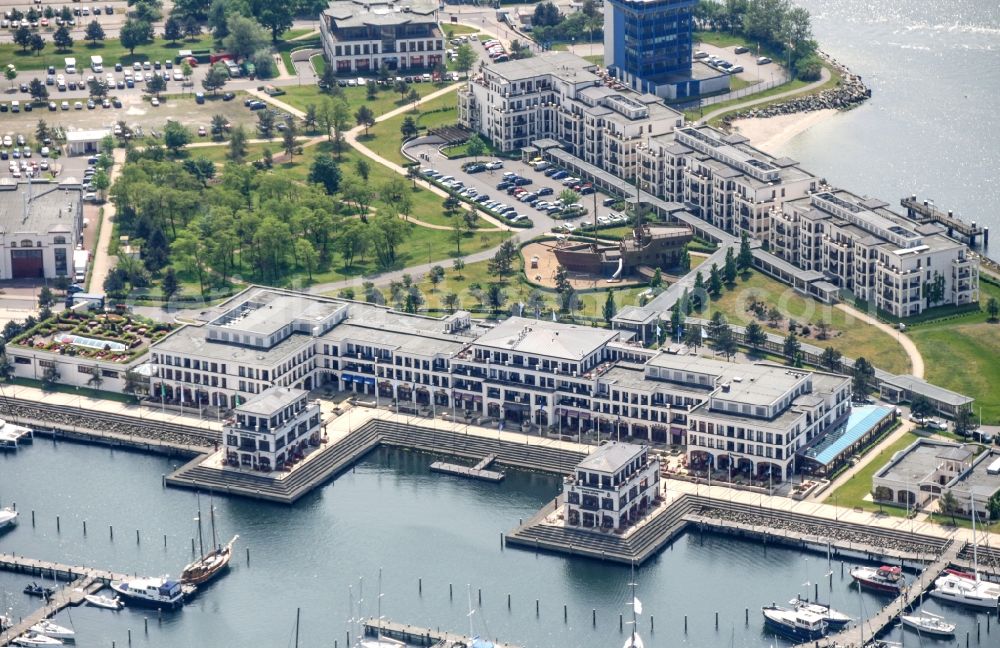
{"x": 365, "y": 379}
{"x": 347, "y": 377}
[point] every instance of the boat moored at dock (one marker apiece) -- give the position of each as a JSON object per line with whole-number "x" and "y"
{"x": 797, "y": 625}
{"x": 834, "y": 619}
{"x": 53, "y": 630}
{"x": 927, "y": 623}
{"x": 151, "y": 592}
{"x": 8, "y": 518}
{"x": 106, "y": 602}
{"x": 881, "y": 579}
{"x": 35, "y": 639}
{"x": 13, "y": 436}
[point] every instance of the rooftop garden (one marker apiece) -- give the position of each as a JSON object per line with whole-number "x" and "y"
{"x": 85, "y": 334}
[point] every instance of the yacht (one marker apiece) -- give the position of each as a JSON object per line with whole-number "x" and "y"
{"x": 883, "y": 579}
{"x": 797, "y": 625}
{"x": 928, "y": 623}
{"x": 836, "y": 620}
{"x": 151, "y": 592}
{"x": 106, "y": 602}
{"x": 967, "y": 588}
{"x": 8, "y": 518}
{"x": 210, "y": 564}
{"x": 35, "y": 639}
{"x": 53, "y": 630}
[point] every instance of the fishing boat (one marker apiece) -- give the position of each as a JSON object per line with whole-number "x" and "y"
{"x": 8, "y": 518}
{"x": 37, "y": 590}
{"x": 798, "y": 625}
{"x": 106, "y": 602}
{"x": 53, "y": 630}
{"x": 928, "y": 623}
{"x": 967, "y": 588}
{"x": 35, "y": 639}
{"x": 882, "y": 579}
{"x": 836, "y": 620}
{"x": 209, "y": 565}
{"x": 151, "y": 592}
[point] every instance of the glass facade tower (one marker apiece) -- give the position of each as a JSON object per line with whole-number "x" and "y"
{"x": 648, "y": 42}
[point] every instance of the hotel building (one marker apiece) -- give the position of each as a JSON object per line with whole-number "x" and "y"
{"x": 613, "y": 487}
{"x": 271, "y": 429}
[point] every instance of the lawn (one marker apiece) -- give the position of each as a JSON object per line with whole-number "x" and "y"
{"x": 319, "y": 64}
{"x": 452, "y": 30}
{"x": 285, "y": 48}
{"x": 219, "y": 154}
{"x": 851, "y": 337}
{"x": 301, "y": 96}
{"x": 852, "y": 493}
{"x": 963, "y": 354}
{"x": 111, "y": 49}
{"x": 515, "y": 285}
{"x": 385, "y": 138}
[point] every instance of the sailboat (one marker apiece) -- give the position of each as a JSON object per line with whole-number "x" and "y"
{"x": 380, "y": 641}
{"x": 209, "y": 565}
{"x": 958, "y": 587}
{"x": 634, "y": 640}
{"x": 474, "y": 639}
{"x": 928, "y": 623}
{"x": 53, "y": 630}
{"x": 8, "y": 518}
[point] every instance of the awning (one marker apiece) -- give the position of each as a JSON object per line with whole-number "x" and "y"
{"x": 347, "y": 377}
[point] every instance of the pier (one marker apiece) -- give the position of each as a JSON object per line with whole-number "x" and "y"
{"x": 417, "y": 636}
{"x": 479, "y": 471}
{"x": 926, "y": 212}
{"x": 81, "y": 581}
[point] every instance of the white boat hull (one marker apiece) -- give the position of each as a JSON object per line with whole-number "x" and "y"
{"x": 954, "y": 596}
{"x": 53, "y": 630}
{"x": 924, "y": 625}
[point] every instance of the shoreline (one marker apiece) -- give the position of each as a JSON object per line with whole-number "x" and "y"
{"x": 771, "y": 134}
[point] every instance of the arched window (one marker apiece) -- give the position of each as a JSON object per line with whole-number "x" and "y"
{"x": 26, "y": 243}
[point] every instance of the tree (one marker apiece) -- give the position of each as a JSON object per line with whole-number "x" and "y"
{"x": 169, "y": 285}
{"x": 22, "y": 36}
{"x": 729, "y": 268}
{"x": 402, "y": 87}
{"x": 97, "y": 88}
{"x": 725, "y": 343}
{"x": 37, "y": 43}
{"x": 715, "y": 281}
{"x": 832, "y": 359}
{"x": 993, "y": 308}
{"x": 610, "y": 308}
{"x": 949, "y": 505}
{"x": 265, "y": 123}
{"x": 823, "y": 329}
{"x": 362, "y": 168}
{"x": 325, "y": 172}
{"x": 693, "y": 336}
{"x": 276, "y": 15}
{"x": 458, "y": 265}
{"x": 465, "y": 58}
{"x": 716, "y": 324}
{"x": 310, "y": 120}
{"x": 245, "y": 37}
{"x": 175, "y": 136}
{"x": 288, "y": 139}
{"x": 774, "y": 316}
{"x": 237, "y": 144}
{"x": 450, "y": 301}
{"x": 135, "y": 33}
{"x": 934, "y": 289}
{"x": 192, "y": 28}
{"x": 861, "y": 375}
{"x": 215, "y": 79}
{"x": 496, "y": 297}
{"x": 963, "y": 421}
{"x": 744, "y": 261}
{"x": 657, "y": 279}
{"x": 45, "y": 297}
{"x": 475, "y": 147}
{"x": 921, "y": 406}
{"x": 307, "y": 256}
{"x": 569, "y": 197}
{"x": 101, "y": 182}
{"x": 172, "y": 30}
{"x": 413, "y": 97}
{"x": 147, "y": 10}
{"x": 156, "y": 85}
{"x": 408, "y": 129}
{"x": 61, "y": 38}
{"x": 792, "y": 349}
{"x": 218, "y": 16}
{"x": 94, "y": 32}
{"x": 267, "y": 158}
{"x": 50, "y": 376}
{"x": 754, "y": 336}
{"x": 435, "y": 275}
{"x": 364, "y": 117}
{"x": 37, "y": 90}
{"x": 993, "y": 506}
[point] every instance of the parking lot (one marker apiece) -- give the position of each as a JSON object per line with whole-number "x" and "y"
{"x": 485, "y": 183}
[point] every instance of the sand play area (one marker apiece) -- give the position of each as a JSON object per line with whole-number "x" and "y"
{"x": 540, "y": 267}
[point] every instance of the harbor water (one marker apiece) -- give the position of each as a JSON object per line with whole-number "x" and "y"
{"x": 431, "y": 535}
{"x": 930, "y": 127}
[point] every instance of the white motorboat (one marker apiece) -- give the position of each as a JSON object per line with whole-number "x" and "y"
{"x": 967, "y": 588}
{"x": 53, "y": 630}
{"x": 928, "y": 623}
{"x": 35, "y": 639}
{"x": 151, "y": 592}
{"x": 836, "y": 620}
{"x": 106, "y": 602}
{"x": 8, "y": 518}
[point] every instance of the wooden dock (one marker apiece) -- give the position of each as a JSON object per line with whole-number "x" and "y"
{"x": 47, "y": 570}
{"x": 926, "y": 212}
{"x": 479, "y": 471}
{"x": 874, "y": 626}
{"x": 417, "y": 636}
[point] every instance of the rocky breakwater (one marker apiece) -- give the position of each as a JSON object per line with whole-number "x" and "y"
{"x": 850, "y": 92}
{"x": 101, "y": 426}
{"x": 837, "y": 533}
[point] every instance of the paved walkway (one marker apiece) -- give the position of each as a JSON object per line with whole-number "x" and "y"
{"x": 875, "y": 453}
{"x": 823, "y": 78}
{"x": 102, "y": 261}
{"x": 916, "y": 360}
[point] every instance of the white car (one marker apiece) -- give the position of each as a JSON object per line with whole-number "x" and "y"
{"x": 7, "y": 141}
{"x": 178, "y": 75}
{"x": 154, "y": 101}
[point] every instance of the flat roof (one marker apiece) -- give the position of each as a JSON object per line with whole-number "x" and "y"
{"x": 757, "y": 384}
{"x": 271, "y": 401}
{"x": 91, "y": 135}
{"x": 977, "y": 481}
{"x": 51, "y": 208}
{"x": 917, "y": 461}
{"x": 414, "y": 342}
{"x": 860, "y": 422}
{"x": 192, "y": 339}
{"x": 611, "y": 457}
{"x": 918, "y": 386}
{"x": 564, "y": 65}
{"x": 545, "y": 338}
{"x": 635, "y": 314}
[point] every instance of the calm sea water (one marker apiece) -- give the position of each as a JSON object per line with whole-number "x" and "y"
{"x": 931, "y": 127}
{"x": 391, "y": 513}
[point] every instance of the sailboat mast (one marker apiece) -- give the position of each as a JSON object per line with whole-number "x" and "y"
{"x": 298, "y": 612}
{"x": 975, "y": 551}
{"x": 201, "y": 542}
{"x": 379, "y": 631}
{"x": 211, "y": 509}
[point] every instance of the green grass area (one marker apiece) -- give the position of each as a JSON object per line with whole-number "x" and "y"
{"x": 852, "y": 493}
{"x": 83, "y": 392}
{"x": 219, "y": 154}
{"x": 962, "y": 353}
{"x": 452, "y": 30}
{"x": 385, "y": 139}
{"x": 298, "y": 32}
{"x": 596, "y": 59}
{"x": 285, "y": 48}
{"x": 111, "y": 50}
{"x": 319, "y": 64}
{"x": 301, "y": 96}
{"x": 516, "y": 287}
{"x": 461, "y": 150}
{"x": 850, "y": 336}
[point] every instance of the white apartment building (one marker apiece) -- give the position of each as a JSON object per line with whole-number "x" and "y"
{"x": 40, "y": 223}
{"x": 272, "y": 429}
{"x": 363, "y": 36}
{"x": 613, "y": 487}
{"x": 560, "y": 96}
{"x": 879, "y": 255}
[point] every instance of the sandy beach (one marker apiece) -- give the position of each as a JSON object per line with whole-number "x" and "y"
{"x": 772, "y": 133}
